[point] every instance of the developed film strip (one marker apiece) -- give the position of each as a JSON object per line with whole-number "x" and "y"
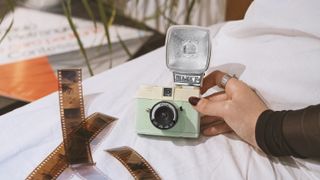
{"x": 76, "y": 144}
{"x": 56, "y": 162}
{"x": 138, "y": 167}
{"x": 78, "y": 132}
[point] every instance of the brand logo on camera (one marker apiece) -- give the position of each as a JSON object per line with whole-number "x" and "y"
{"x": 187, "y": 79}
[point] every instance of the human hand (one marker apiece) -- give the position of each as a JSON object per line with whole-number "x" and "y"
{"x": 237, "y": 108}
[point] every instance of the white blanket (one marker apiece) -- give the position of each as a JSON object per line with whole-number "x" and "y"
{"x": 281, "y": 64}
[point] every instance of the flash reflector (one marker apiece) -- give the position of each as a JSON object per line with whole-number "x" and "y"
{"x": 188, "y": 50}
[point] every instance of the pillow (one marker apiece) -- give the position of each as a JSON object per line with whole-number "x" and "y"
{"x": 276, "y": 50}
{"x": 299, "y": 15}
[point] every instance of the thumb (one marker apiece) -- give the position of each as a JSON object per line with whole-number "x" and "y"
{"x": 207, "y": 107}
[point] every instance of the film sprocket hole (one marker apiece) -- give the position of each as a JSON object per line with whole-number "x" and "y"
{"x": 165, "y": 111}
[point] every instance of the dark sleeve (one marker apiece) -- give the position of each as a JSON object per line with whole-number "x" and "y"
{"x": 290, "y": 133}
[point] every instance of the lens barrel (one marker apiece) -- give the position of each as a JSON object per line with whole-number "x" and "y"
{"x": 164, "y": 115}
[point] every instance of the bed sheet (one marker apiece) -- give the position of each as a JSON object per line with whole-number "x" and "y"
{"x": 281, "y": 66}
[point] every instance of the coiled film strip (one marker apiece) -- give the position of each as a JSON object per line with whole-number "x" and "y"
{"x": 78, "y": 132}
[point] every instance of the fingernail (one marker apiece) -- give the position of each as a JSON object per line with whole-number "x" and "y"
{"x": 194, "y": 100}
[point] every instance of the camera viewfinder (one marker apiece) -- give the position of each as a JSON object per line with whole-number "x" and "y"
{"x": 167, "y": 92}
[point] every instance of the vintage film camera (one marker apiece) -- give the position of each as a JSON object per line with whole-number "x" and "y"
{"x": 165, "y": 111}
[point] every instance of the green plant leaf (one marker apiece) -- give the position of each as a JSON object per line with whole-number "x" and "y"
{"x": 172, "y": 12}
{"x": 113, "y": 14}
{"x": 169, "y": 20}
{"x": 7, "y": 31}
{"x": 124, "y": 46}
{"x": 11, "y": 5}
{"x": 102, "y": 14}
{"x": 67, "y": 11}
{"x": 89, "y": 12}
{"x": 157, "y": 19}
{"x": 190, "y": 7}
{"x": 151, "y": 17}
{"x": 2, "y": 18}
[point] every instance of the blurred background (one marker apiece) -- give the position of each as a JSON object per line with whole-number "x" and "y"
{"x": 37, "y": 37}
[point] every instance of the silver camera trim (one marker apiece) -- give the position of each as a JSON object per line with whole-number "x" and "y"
{"x": 183, "y": 78}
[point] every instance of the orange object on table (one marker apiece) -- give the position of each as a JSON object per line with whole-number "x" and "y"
{"x": 27, "y": 80}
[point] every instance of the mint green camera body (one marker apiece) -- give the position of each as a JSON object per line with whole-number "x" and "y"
{"x": 187, "y": 124}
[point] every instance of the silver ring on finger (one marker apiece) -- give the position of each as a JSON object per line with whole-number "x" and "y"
{"x": 224, "y": 80}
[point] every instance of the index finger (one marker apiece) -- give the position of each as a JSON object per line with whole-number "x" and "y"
{"x": 211, "y": 108}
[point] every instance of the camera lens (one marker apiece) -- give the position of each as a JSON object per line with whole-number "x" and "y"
{"x": 164, "y": 115}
